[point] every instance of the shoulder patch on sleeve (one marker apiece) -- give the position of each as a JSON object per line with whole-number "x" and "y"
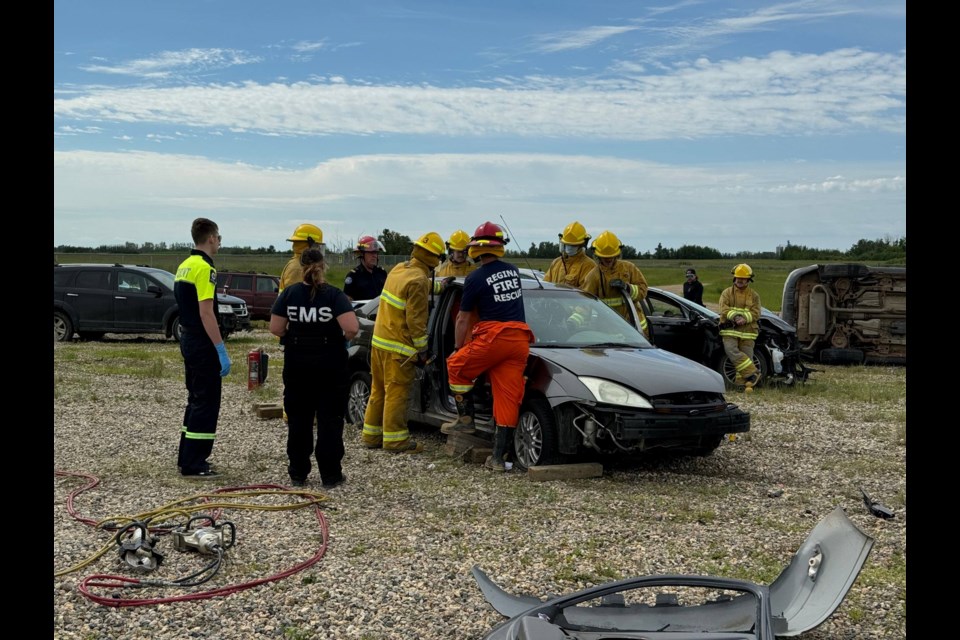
{"x": 213, "y": 277}
{"x": 347, "y": 280}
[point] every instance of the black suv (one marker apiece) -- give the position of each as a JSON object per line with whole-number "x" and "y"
{"x": 94, "y": 299}
{"x": 258, "y": 290}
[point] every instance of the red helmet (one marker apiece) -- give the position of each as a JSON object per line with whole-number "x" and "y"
{"x": 368, "y": 243}
{"x": 488, "y": 235}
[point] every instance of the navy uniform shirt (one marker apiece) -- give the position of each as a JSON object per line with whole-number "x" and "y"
{"x": 493, "y": 289}
{"x": 312, "y": 329}
{"x": 361, "y": 284}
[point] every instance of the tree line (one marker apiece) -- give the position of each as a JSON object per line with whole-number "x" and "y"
{"x": 396, "y": 243}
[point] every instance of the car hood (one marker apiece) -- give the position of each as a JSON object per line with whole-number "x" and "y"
{"x": 228, "y": 299}
{"x": 777, "y": 321}
{"x": 652, "y": 372}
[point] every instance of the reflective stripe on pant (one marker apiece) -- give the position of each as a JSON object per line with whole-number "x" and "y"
{"x": 201, "y": 367}
{"x": 500, "y": 349}
{"x": 740, "y": 352}
{"x": 385, "y": 420}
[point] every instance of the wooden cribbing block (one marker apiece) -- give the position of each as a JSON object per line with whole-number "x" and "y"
{"x": 268, "y": 410}
{"x": 565, "y": 471}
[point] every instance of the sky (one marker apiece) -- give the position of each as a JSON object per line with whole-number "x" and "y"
{"x": 736, "y": 125}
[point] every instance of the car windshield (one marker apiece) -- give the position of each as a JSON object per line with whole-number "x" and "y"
{"x": 571, "y": 318}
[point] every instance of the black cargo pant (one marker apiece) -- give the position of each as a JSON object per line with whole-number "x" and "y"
{"x": 201, "y": 367}
{"x": 315, "y": 386}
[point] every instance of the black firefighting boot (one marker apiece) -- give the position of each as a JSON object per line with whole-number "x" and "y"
{"x": 464, "y": 422}
{"x": 500, "y": 439}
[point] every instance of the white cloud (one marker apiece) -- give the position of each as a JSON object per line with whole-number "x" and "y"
{"x": 155, "y": 196}
{"x": 589, "y": 36}
{"x": 167, "y": 63}
{"x": 782, "y": 94}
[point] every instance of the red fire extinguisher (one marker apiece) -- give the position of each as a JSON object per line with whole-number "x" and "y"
{"x": 257, "y": 365}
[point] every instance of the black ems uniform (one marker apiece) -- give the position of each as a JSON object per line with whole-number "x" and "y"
{"x": 315, "y": 381}
{"x": 196, "y": 280}
{"x": 361, "y": 284}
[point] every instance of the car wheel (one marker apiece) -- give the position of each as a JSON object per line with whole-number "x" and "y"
{"x": 535, "y": 438}
{"x": 729, "y": 372}
{"x": 841, "y": 356}
{"x": 176, "y": 329}
{"x": 357, "y": 397}
{"x": 62, "y": 327}
{"x": 91, "y": 335}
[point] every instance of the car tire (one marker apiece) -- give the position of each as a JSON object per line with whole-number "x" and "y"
{"x": 729, "y": 373}
{"x": 357, "y": 397}
{"x": 535, "y": 438}
{"x": 175, "y": 329}
{"x": 841, "y": 356}
{"x": 62, "y": 327}
{"x": 707, "y": 446}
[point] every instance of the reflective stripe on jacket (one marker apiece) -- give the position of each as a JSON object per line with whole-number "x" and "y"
{"x": 746, "y": 303}
{"x": 401, "y": 325}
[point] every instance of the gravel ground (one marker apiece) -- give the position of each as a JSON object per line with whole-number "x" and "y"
{"x": 405, "y": 530}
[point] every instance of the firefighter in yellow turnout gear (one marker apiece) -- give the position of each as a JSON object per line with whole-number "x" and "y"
{"x": 456, "y": 263}
{"x": 305, "y": 235}
{"x": 573, "y": 264}
{"x": 614, "y": 277}
{"x": 739, "y": 324}
{"x": 399, "y": 344}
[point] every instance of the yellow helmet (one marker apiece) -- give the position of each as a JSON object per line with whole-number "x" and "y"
{"x": 432, "y": 242}
{"x": 742, "y": 271}
{"x": 307, "y": 232}
{"x": 458, "y": 240}
{"x": 574, "y": 233}
{"x": 607, "y": 245}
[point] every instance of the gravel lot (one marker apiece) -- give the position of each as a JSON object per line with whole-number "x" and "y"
{"x": 405, "y": 530}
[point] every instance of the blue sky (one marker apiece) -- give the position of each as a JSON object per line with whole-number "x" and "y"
{"x": 734, "y": 125}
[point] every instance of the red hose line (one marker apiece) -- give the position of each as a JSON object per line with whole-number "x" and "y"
{"x": 110, "y": 581}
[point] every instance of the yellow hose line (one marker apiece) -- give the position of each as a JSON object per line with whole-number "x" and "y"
{"x": 171, "y": 509}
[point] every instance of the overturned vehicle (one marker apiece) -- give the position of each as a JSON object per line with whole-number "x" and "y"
{"x": 599, "y": 388}
{"x": 848, "y": 313}
{"x": 684, "y": 607}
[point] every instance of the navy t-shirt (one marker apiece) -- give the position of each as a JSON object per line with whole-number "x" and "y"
{"x": 315, "y": 320}
{"x": 493, "y": 289}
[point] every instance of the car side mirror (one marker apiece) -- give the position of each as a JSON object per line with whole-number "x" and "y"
{"x": 155, "y": 290}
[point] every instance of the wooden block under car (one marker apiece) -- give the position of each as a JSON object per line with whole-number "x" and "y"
{"x": 472, "y": 448}
{"x": 267, "y": 410}
{"x": 565, "y": 471}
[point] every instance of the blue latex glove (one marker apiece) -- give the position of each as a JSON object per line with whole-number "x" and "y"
{"x": 224, "y": 359}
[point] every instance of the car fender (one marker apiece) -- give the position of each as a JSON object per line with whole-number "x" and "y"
{"x": 67, "y": 309}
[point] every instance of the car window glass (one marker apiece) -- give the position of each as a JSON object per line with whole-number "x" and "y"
{"x": 244, "y": 283}
{"x": 63, "y": 278}
{"x": 131, "y": 282}
{"x": 94, "y": 280}
{"x": 222, "y": 279}
{"x": 267, "y": 284}
{"x": 665, "y": 308}
{"x": 572, "y": 318}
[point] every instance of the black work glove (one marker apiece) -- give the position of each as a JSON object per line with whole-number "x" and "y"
{"x": 619, "y": 284}
{"x": 424, "y": 358}
{"x": 446, "y": 282}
